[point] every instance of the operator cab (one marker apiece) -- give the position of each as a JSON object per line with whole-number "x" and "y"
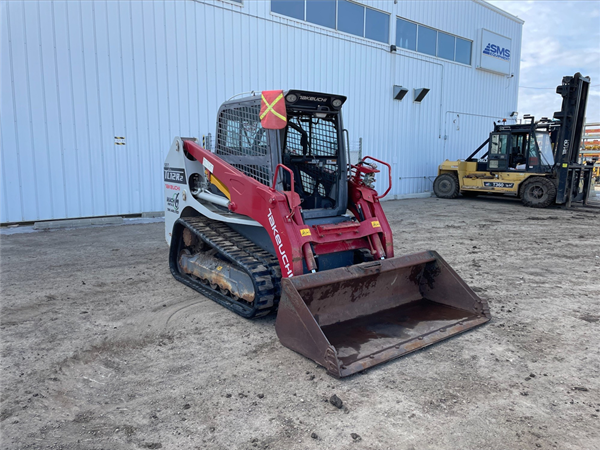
{"x": 521, "y": 148}
{"x": 310, "y": 143}
{"x": 312, "y": 147}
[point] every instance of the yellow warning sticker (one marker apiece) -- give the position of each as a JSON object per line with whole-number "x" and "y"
{"x": 375, "y": 224}
{"x": 219, "y": 267}
{"x": 565, "y": 165}
{"x": 305, "y": 232}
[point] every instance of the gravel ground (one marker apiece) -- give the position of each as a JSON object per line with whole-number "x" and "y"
{"x": 102, "y": 349}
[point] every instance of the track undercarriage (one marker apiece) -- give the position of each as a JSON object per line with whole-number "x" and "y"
{"x": 218, "y": 262}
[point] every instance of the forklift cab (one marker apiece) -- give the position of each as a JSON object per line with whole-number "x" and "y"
{"x": 520, "y": 150}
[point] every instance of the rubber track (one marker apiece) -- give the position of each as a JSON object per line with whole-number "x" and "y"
{"x": 262, "y": 267}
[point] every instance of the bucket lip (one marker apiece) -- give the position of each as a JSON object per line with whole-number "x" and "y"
{"x": 326, "y": 277}
{"x": 406, "y": 347}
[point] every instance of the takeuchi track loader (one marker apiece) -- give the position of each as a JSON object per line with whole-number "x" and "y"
{"x": 538, "y": 162}
{"x": 275, "y": 218}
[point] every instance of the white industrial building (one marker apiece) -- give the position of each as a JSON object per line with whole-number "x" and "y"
{"x": 93, "y": 92}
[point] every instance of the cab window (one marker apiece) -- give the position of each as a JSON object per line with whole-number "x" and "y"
{"x": 499, "y": 144}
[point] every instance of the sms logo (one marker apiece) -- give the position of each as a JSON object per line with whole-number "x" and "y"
{"x": 497, "y": 52}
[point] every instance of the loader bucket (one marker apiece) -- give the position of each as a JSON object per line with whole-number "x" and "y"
{"x": 353, "y": 318}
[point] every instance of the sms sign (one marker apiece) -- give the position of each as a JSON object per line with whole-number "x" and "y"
{"x": 494, "y": 52}
{"x": 497, "y": 52}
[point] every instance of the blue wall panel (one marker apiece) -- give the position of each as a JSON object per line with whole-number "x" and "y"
{"x": 76, "y": 74}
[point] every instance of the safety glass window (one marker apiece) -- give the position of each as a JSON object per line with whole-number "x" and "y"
{"x": 240, "y": 132}
{"x": 545, "y": 146}
{"x": 499, "y": 144}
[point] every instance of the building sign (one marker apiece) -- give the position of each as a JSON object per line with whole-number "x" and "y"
{"x": 494, "y": 52}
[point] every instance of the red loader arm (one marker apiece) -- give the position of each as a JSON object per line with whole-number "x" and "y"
{"x": 280, "y": 214}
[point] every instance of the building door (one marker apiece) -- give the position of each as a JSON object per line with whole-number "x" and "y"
{"x": 417, "y": 138}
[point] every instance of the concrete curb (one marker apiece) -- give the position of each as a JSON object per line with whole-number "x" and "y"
{"x": 408, "y": 196}
{"x": 75, "y": 223}
{"x": 152, "y": 214}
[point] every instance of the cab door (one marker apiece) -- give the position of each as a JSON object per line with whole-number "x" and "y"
{"x": 498, "y": 152}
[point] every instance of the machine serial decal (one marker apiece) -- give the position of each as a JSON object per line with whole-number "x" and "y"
{"x": 173, "y": 175}
{"x": 375, "y": 224}
{"x": 498, "y": 184}
{"x": 173, "y": 203}
{"x": 284, "y": 258}
{"x": 305, "y": 232}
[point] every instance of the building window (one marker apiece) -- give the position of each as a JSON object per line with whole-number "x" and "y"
{"x": 406, "y": 34}
{"x": 422, "y": 39}
{"x": 321, "y": 12}
{"x": 426, "y": 38}
{"x": 377, "y": 26}
{"x": 445, "y": 46}
{"x": 291, "y": 8}
{"x": 341, "y": 15}
{"x": 463, "y": 51}
{"x": 351, "y": 18}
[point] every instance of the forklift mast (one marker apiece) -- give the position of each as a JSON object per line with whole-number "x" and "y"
{"x": 574, "y": 91}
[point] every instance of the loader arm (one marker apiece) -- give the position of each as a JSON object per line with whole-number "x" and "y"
{"x": 280, "y": 214}
{"x": 267, "y": 206}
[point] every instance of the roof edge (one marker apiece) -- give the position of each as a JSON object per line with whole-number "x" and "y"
{"x": 499, "y": 11}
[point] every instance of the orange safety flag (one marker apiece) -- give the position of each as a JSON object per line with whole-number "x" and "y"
{"x": 272, "y": 110}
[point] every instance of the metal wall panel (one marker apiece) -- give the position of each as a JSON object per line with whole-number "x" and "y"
{"x": 76, "y": 74}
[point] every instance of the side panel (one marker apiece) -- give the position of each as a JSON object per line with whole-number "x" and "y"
{"x": 177, "y": 198}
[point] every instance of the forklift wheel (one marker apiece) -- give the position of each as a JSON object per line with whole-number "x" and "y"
{"x": 446, "y": 186}
{"x": 538, "y": 192}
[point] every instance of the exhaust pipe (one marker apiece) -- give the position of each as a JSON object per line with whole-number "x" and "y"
{"x": 353, "y": 318}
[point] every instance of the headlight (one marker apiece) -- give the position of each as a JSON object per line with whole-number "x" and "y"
{"x": 336, "y": 103}
{"x": 291, "y": 98}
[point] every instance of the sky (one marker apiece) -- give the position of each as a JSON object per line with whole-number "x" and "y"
{"x": 559, "y": 38}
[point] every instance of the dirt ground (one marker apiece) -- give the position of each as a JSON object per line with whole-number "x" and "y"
{"x": 103, "y": 349}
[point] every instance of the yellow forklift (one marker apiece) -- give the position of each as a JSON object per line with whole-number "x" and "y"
{"x": 535, "y": 161}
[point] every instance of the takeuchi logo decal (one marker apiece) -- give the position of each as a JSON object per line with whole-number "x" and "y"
{"x": 497, "y": 52}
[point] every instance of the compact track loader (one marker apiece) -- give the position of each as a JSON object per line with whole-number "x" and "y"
{"x": 276, "y": 218}
{"x": 538, "y": 162}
